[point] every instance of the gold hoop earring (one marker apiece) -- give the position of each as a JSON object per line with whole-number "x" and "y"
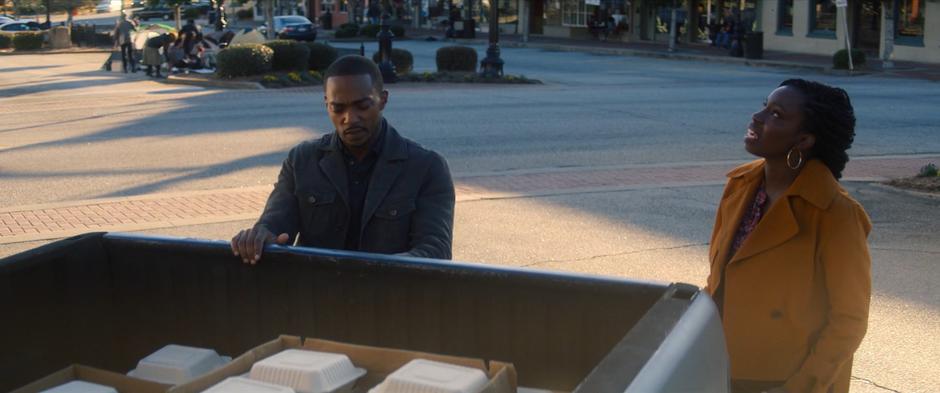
{"x": 799, "y": 163}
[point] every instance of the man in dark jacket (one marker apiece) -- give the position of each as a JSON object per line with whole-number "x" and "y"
{"x": 363, "y": 187}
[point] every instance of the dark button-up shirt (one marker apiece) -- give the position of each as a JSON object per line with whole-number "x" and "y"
{"x": 358, "y": 174}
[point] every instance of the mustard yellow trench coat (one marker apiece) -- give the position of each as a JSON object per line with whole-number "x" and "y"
{"x": 796, "y": 293}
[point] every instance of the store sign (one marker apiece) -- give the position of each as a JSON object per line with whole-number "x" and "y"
{"x": 842, "y": 3}
{"x": 592, "y": 2}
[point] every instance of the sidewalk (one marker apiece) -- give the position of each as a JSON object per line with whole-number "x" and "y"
{"x": 695, "y": 52}
{"x": 164, "y": 210}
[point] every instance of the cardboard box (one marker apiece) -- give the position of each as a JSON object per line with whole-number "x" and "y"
{"x": 378, "y": 362}
{"x": 238, "y": 366}
{"x": 121, "y": 382}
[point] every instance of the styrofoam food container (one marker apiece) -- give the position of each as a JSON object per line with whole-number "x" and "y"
{"x": 81, "y": 387}
{"x": 307, "y": 371}
{"x": 425, "y": 376}
{"x": 247, "y": 385}
{"x": 176, "y": 364}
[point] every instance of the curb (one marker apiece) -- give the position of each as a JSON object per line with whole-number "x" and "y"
{"x": 922, "y": 194}
{"x": 204, "y": 82}
{"x": 54, "y": 52}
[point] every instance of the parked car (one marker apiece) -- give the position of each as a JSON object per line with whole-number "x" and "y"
{"x": 202, "y": 6}
{"x": 20, "y": 25}
{"x": 108, "y": 6}
{"x": 158, "y": 11}
{"x": 4, "y": 20}
{"x": 293, "y": 27}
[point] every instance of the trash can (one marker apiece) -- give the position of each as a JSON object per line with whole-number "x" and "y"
{"x": 326, "y": 21}
{"x": 469, "y": 29}
{"x": 754, "y": 45}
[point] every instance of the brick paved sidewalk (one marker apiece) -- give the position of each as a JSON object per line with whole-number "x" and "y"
{"x": 51, "y": 221}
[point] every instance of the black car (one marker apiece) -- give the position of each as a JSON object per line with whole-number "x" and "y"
{"x": 160, "y": 11}
{"x": 201, "y": 7}
{"x": 295, "y": 27}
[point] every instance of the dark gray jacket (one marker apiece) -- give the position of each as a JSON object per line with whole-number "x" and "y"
{"x": 409, "y": 206}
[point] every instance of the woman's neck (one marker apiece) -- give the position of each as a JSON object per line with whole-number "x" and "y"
{"x": 778, "y": 177}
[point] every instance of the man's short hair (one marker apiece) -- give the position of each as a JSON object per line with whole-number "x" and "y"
{"x": 350, "y": 65}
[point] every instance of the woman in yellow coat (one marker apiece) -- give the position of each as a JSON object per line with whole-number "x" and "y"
{"x": 790, "y": 269}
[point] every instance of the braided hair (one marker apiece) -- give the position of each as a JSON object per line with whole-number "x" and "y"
{"x": 828, "y": 115}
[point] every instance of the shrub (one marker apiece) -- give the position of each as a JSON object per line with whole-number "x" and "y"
{"x": 370, "y": 30}
{"x": 321, "y": 56}
{"x": 840, "y": 60}
{"x": 929, "y": 170}
{"x": 6, "y": 41}
{"x": 294, "y": 77}
{"x": 314, "y": 75}
{"x": 246, "y": 13}
{"x": 347, "y": 30}
{"x": 402, "y": 59}
{"x": 289, "y": 54}
{"x": 456, "y": 58}
{"x": 243, "y": 60}
{"x": 28, "y": 40}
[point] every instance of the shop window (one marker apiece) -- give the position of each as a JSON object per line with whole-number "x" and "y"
{"x": 552, "y": 13}
{"x": 785, "y": 17}
{"x": 574, "y": 13}
{"x": 910, "y": 22}
{"x": 822, "y": 17}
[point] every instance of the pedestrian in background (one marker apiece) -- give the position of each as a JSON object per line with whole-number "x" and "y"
{"x": 790, "y": 268}
{"x": 152, "y": 56}
{"x": 122, "y": 38}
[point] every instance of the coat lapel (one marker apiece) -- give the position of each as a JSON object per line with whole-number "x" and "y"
{"x": 334, "y": 168}
{"x": 737, "y": 203}
{"x": 386, "y": 172}
{"x": 778, "y": 226}
{"x": 815, "y": 184}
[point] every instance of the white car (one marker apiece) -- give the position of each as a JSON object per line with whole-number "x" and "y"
{"x": 108, "y": 6}
{"x": 19, "y": 25}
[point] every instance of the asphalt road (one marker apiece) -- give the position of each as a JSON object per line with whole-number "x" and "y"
{"x": 72, "y": 132}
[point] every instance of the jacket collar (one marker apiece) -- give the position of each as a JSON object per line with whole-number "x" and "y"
{"x": 815, "y": 184}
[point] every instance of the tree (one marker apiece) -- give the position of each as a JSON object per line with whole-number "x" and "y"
{"x": 70, "y": 7}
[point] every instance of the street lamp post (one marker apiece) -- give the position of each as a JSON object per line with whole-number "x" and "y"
{"x": 385, "y": 51}
{"x": 492, "y": 65}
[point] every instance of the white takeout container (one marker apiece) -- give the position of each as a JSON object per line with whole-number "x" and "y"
{"x": 307, "y": 371}
{"x": 81, "y": 387}
{"x": 247, "y": 385}
{"x": 425, "y": 376}
{"x": 176, "y": 364}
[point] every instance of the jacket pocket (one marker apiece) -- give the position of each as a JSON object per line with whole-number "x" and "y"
{"x": 395, "y": 210}
{"x": 390, "y": 227}
{"x": 319, "y": 213}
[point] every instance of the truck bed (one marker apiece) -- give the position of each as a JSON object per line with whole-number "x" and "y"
{"x": 108, "y": 299}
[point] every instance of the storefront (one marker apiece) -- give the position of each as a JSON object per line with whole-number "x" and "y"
{"x": 573, "y": 18}
{"x": 899, "y": 29}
